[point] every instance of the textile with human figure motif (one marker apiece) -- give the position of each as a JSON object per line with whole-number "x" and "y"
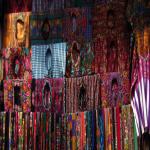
{"x": 77, "y": 24}
{"x": 79, "y": 59}
{"x": 45, "y": 29}
{"x": 17, "y": 63}
{"x": 82, "y": 93}
{"x": 115, "y": 89}
{"x": 16, "y": 30}
{"x": 17, "y": 95}
{"x": 48, "y": 95}
{"x": 111, "y": 55}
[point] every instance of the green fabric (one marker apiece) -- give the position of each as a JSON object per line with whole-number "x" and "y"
{"x": 135, "y": 138}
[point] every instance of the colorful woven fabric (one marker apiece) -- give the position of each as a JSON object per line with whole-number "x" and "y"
{"x": 17, "y": 63}
{"x": 17, "y": 6}
{"x": 79, "y": 59}
{"x": 141, "y": 94}
{"x": 82, "y": 93}
{"x": 108, "y": 128}
{"x": 49, "y": 95}
{"x": 45, "y": 29}
{"x": 16, "y": 30}
{"x": 1, "y": 68}
{"x": 49, "y": 60}
{"x": 17, "y": 95}
{"x": 100, "y": 129}
{"x": 2, "y": 130}
{"x": 51, "y": 6}
{"x": 115, "y": 89}
{"x": 77, "y": 24}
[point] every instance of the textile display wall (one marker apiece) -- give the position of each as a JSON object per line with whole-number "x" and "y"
{"x": 91, "y": 129}
{"x": 16, "y": 30}
{"x": 74, "y": 74}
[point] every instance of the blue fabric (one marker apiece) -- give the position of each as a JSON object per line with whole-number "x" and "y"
{"x": 58, "y": 60}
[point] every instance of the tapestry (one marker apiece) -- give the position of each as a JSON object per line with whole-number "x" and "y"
{"x": 108, "y": 20}
{"x": 16, "y": 30}
{"x": 77, "y": 24}
{"x": 79, "y": 59}
{"x": 115, "y": 89}
{"x": 82, "y": 93}
{"x": 17, "y": 95}
{"x": 48, "y": 60}
{"x": 17, "y": 63}
{"x": 48, "y": 95}
{"x": 111, "y": 39}
{"x": 17, "y": 6}
{"x": 111, "y": 55}
{"x": 52, "y": 7}
{"x": 45, "y": 29}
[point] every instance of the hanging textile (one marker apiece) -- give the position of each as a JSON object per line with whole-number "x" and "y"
{"x": 82, "y": 93}
{"x": 1, "y": 67}
{"x": 77, "y": 24}
{"x": 115, "y": 89}
{"x": 2, "y": 130}
{"x": 108, "y": 128}
{"x": 45, "y": 29}
{"x": 110, "y": 43}
{"x": 64, "y": 132}
{"x": 52, "y": 7}
{"x": 49, "y": 95}
{"x": 79, "y": 59}
{"x": 127, "y": 128}
{"x": 1, "y": 96}
{"x": 18, "y": 6}
{"x": 48, "y": 60}
{"x": 17, "y": 95}
{"x": 17, "y": 64}
{"x": 140, "y": 100}
{"x": 16, "y": 30}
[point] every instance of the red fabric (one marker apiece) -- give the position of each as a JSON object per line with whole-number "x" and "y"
{"x": 118, "y": 129}
{"x": 12, "y": 6}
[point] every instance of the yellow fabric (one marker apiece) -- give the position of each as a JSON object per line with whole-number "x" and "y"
{"x": 16, "y": 30}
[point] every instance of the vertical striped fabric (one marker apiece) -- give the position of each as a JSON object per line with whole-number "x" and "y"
{"x": 73, "y": 91}
{"x": 141, "y": 95}
{"x": 50, "y": 6}
{"x": 58, "y": 51}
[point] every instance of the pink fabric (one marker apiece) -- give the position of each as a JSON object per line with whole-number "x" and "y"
{"x": 55, "y": 95}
